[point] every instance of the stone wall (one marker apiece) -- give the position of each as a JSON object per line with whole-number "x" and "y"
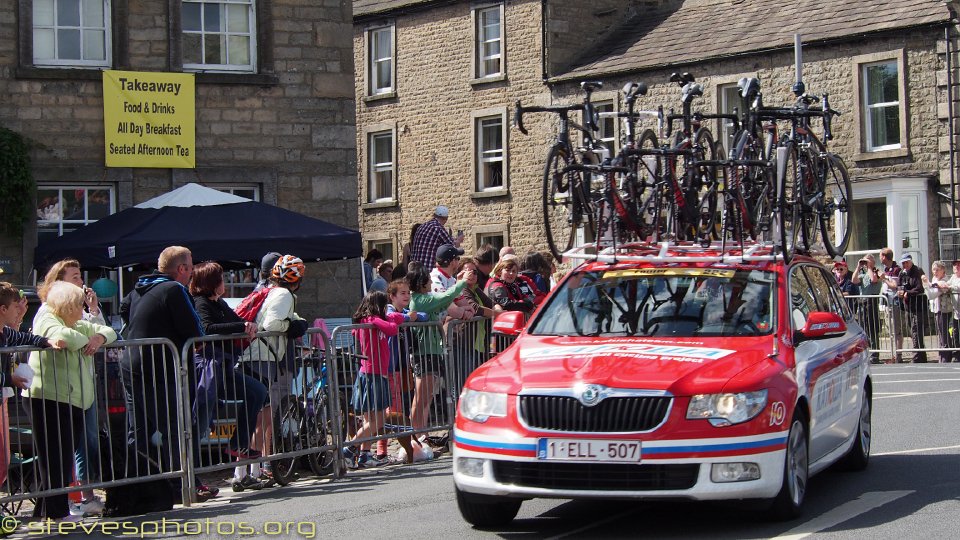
{"x": 289, "y": 130}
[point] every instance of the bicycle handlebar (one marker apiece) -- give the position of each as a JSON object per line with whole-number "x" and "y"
{"x": 726, "y": 162}
{"x": 603, "y": 169}
{"x": 520, "y": 110}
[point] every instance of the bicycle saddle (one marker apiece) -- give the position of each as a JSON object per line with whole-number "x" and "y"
{"x": 748, "y": 86}
{"x": 633, "y": 89}
{"x": 681, "y": 78}
{"x": 590, "y": 86}
{"x": 690, "y": 91}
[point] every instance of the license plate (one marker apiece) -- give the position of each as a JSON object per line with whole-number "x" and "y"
{"x": 222, "y": 431}
{"x": 604, "y": 450}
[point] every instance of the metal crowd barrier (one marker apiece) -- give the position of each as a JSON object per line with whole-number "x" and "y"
{"x": 904, "y": 329}
{"x": 130, "y": 432}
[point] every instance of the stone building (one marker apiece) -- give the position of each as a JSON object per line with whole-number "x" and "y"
{"x": 274, "y": 112}
{"x": 437, "y": 82}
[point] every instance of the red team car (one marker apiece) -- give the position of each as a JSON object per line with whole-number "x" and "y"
{"x": 668, "y": 372}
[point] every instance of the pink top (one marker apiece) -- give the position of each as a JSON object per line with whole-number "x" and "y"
{"x": 373, "y": 343}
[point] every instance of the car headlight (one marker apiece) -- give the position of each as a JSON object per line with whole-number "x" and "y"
{"x": 727, "y": 409}
{"x": 478, "y": 406}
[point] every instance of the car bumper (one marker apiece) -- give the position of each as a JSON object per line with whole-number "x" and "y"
{"x": 506, "y": 471}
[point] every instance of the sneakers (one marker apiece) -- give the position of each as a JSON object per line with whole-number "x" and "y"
{"x": 88, "y": 507}
{"x": 242, "y": 453}
{"x": 367, "y": 460}
{"x": 247, "y": 482}
{"x": 349, "y": 455}
{"x": 205, "y": 493}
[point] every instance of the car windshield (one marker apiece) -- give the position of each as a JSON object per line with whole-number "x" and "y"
{"x": 680, "y": 302}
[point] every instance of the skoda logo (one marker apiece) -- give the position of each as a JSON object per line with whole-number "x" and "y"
{"x": 590, "y": 395}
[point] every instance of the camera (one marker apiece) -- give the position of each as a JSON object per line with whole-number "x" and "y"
{"x": 862, "y": 262}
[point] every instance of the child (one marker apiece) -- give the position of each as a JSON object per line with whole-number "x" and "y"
{"x": 400, "y": 378}
{"x": 371, "y": 390}
{"x": 13, "y": 306}
{"x": 428, "y": 362}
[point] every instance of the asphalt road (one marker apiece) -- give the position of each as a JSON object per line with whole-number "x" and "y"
{"x": 910, "y": 490}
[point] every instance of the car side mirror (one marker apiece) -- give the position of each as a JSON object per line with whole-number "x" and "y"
{"x": 510, "y": 323}
{"x": 823, "y": 324}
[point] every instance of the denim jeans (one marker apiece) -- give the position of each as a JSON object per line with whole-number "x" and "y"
{"x": 232, "y": 385}
{"x": 87, "y": 453}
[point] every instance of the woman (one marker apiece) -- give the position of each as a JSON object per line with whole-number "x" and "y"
{"x": 941, "y": 305}
{"x": 504, "y": 289}
{"x": 472, "y": 346}
{"x": 87, "y": 453}
{"x": 263, "y": 358}
{"x": 216, "y": 317}
{"x": 407, "y": 255}
{"x": 62, "y": 389}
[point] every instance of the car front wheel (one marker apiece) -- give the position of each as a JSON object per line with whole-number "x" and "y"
{"x": 858, "y": 457}
{"x": 486, "y": 510}
{"x": 788, "y": 504}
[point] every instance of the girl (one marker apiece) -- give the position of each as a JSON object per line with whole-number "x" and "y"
{"x": 371, "y": 390}
{"x": 428, "y": 362}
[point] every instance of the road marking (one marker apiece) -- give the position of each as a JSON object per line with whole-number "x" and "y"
{"x": 916, "y": 450}
{"x": 852, "y": 509}
{"x": 888, "y": 395}
{"x": 592, "y": 525}
{"x": 895, "y": 373}
{"x": 916, "y": 380}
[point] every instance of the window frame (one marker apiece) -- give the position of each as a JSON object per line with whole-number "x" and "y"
{"x": 862, "y": 136}
{"x": 234, "y": 188}
{"x": 477, "y": 58}
{"x": 371, "y": 91}
{"x": 477, "y": 119}
{"x": 378, "y": 241}
{"x": 252, "y": 34}
{"x": 367, "y": 202}
{"x": 107, "y": 29}
{"x": 487, "y": 231}
{"x": 74, "y": 223}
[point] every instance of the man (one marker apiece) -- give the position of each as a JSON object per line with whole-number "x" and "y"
{"x": 889, "y": 284}
{"x": 266, "y": 264}
{"x": 911, "y": 293}
{"x": 370, "y": 264}
{"x": 954, "y": 283}
{"x": 431, "y": 235}
{"x": 484, "y": 258}
{"x": 384, "y": 273}
{"x": 867, "y": 277}
{"x": 443, "y": 276}
{"x": 160, "y": 306}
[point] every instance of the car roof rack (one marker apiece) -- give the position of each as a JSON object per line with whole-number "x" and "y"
{"x": 677, "y": 252}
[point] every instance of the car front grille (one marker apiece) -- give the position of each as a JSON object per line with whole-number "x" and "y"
{"x": 613, "y": 414}
{"x": 596, "y": 476}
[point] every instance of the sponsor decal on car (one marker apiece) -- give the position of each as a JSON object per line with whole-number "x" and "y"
{"x": 627, "y": 350}
{"x": 778, "y": 413}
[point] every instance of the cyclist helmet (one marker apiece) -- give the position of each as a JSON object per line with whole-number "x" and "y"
{"x": 288, "y": 269}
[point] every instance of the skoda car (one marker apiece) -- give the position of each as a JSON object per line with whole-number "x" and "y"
{"x": 680, "y": 373}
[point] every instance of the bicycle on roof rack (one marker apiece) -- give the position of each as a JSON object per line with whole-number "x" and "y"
{"x": 568, "y": 201}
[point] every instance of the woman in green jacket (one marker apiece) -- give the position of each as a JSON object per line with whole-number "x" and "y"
{"x": 428, "y": 361}
{"x": 62, "y": 389}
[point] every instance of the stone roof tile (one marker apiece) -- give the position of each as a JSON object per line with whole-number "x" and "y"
{"x": 705, "y": 29}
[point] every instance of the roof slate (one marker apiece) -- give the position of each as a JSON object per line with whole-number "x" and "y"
{"x": 370, "y": 7}
{"x": 705, "y": 29}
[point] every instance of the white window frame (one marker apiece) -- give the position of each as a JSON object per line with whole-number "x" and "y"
{"x": 870, "y": 107}
{"x": 375, "y": 88}
{"x": 72, "y": 224}
{"x": 608, "y": 138}
{"x": 233, "y": 189}
{"x": 726, "y": 106}
{"x": 479, "y": 58}
{"x": 250, "y": 34}
{"x": 865, "y": 148}
{"x": 72, "y": 62}
{"x": 386, "y": 245}
{"x": 897, "y": 192}
{"x": 374, "y": 167}
{"x": 481, "y": 158}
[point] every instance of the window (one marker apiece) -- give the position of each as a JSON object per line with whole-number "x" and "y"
{"x": 495, "y": 239}
{"x": 380, "y": 152}
{"x": 490, "y": 153}
{"x": 608, "y": 127}
{"x": 729, "y": 100}
{"x": 61, "y": 209}
{"x": 247, "y": 192}
{"x": 881, "y": 97}
{"x": 219, "y": 35}
{"x": 384, "y": 246}
{"x": 380, "y": 67}
{"x": 71, "y": 33}
{"x": 488, "y": 29}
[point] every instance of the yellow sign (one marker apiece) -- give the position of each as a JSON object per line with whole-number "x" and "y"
{"x": 639, "y": 272}
{"x": 149, "y": 119}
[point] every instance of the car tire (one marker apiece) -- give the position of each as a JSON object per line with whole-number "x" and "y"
{"x": 486, "y": 510}
{"x": 858, "y": 457}
{"x": 788, "y": 504}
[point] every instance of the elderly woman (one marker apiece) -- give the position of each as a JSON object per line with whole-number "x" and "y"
{"x": 87, "y": 453}
{"x": 941, "y": 298}
{"x": 62, "y": 389}
{"x": 505, "y": 289}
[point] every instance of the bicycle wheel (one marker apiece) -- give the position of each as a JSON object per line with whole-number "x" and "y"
{"x": 321, "y": 463}
{"x": 704, "y": 187}
{"x": 648, "y": 178}
{"x": 809, "y": 173}
{"x": 835, "y": 212}
{"x": 288, "y": 434}
{"x": 756, "y": 186}
{"x": 565, "y": 207}
{"x": 789, "y": 205}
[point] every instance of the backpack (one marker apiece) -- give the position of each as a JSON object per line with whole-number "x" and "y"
{"x": 251, "y": 304}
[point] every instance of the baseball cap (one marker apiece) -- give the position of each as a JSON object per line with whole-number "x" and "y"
{"x": 447, "y": 253}
{"x": 839, "y": 263}
{"x": 268, "y": 260}
{"x": 906, "y": 257}
{"x": 441, "y": 211}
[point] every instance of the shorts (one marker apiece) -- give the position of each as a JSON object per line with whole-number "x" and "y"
{"x": 267, "y": 372}
{"x": 370, "y": 393}
{"x": 428, "y": 364}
